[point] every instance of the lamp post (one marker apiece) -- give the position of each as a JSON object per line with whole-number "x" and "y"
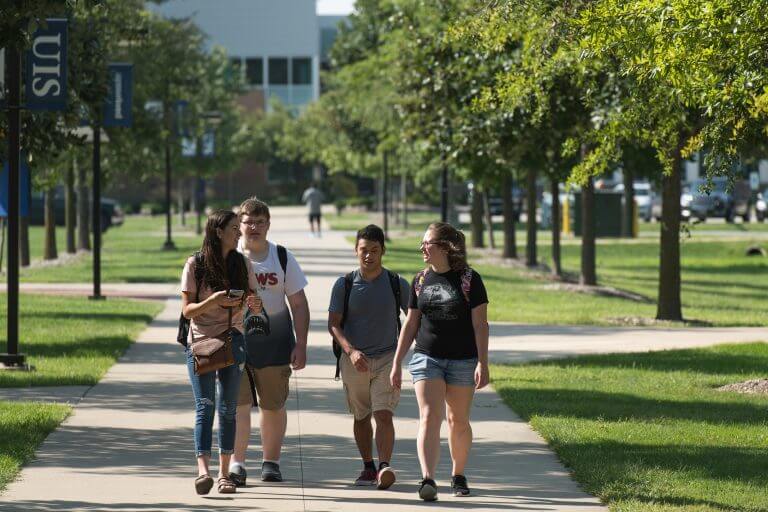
{"x": 213, "y": 119}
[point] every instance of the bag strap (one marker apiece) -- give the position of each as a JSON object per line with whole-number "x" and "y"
{"x": 418, "y": 282}
{"x": 347, "y": 293}
{"x": 466, "y": 282}
{"x": 394, "y": 282}
{"x": 282, "y": 255}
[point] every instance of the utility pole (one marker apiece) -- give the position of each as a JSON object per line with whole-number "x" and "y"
{"x": 96, "y": 207}
{"x": 12, "y": 358}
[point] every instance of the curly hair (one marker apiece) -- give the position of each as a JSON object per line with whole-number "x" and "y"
{"x": 453, "y": 241}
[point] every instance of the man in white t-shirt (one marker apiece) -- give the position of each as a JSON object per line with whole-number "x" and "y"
{"x": 272, "y": 349}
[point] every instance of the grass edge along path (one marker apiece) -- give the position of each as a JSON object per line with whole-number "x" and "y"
{"x": 25, "y": 425}
{"x": 649, "y": 431}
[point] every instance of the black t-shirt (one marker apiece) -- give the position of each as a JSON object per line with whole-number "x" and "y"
{"x": 446, "y": 330}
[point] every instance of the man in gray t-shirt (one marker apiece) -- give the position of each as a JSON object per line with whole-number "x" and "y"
{"x": 368, "y": 339}
{"x": 313, "y": 198}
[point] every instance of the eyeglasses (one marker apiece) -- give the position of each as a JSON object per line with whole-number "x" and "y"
{"x": 429, "y": 242}
{"x": 255, "y": 224}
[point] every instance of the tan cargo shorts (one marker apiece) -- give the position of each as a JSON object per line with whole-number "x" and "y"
{"x": 369, "y": 391}
{"x": 270, "y": 385}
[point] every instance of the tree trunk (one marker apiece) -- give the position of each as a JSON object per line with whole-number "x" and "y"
{"x": 628, "y": 220}
{"x": 50, "y": 251}
{"x": 24, "y": 241}
{"x": 530, "y": 243}
{"x": 476, "y": 217}
{"x": 669, "y": 304}
{"x": 70, "y": 208}
{"x": 83, "y": 215}
{"x": 488, "y": 220}
{"x": 180, "y": 198}
{"x": 404, "y": 199}
{"x": 2, "y": 241}
{"x": 588, "y": 273}
{"x": 557, "y": 269}
{"x": 510, "y": 243}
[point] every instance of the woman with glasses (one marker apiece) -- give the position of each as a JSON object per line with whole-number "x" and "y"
{"x": 214, "y": 285}
{"x": 448, "y": 318}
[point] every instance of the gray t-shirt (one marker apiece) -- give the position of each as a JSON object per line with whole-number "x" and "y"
{"x": 371, "y": 324}
{"x": 314, "y": 199}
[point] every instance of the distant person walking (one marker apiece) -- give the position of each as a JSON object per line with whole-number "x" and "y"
{"x": 448, "y": 318}
{"x": 364, "y": 319}
{"x": 214, "y": 284}
{"x": 272, "y": 349}
{"x": 313, "y": 198}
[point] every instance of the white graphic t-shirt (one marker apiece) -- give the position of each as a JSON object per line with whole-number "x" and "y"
{"x": 269, "y": 335}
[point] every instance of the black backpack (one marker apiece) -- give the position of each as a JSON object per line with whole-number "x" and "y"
{"x": 394, "y": 282}
{"x": 183, "y": 332}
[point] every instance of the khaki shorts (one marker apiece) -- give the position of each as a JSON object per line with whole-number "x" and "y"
{"x": 369, "y": 391}
{"x": 271, "y": 386}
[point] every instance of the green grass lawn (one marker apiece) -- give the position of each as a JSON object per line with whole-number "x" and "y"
{"x": 24, "y": 427}
{"x": 720, "y": 285}
{"x": 69, "y": 341}
{"x": 131, "y": 253}
{"x": 73, "y": 340}
{"x": 648, "y": 432}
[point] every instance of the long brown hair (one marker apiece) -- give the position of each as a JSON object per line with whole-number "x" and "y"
{"x": 453, "y": 241}
{"x": 220, "y": 274}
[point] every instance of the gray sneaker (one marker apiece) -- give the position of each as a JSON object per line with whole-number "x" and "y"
{"x": 428, "y": 490}
{"x": 270, "y": 472}
{"x": 237, "y": 474}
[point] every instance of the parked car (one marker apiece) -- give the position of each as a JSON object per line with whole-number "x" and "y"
{"x": 496, "y": 204}
{"x": 111, "y": 213}
{"x": 643, "y": 195}
{"x": 685, "y": 205}
{"x": 761, "y": 208}
{"x": 721, "y": 202}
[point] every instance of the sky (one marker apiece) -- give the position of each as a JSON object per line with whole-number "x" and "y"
{"x": 335, "y": 6}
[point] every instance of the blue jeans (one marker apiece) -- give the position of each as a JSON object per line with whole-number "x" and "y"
{"x": 456, "y": 372}
{"x": 204, "y": 390}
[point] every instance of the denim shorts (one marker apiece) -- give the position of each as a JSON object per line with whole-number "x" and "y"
{"x": 456, "y": 372}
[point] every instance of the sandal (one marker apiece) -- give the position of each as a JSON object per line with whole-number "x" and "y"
{"x": 226, "y": 486}
{"x": 203, "y": 484}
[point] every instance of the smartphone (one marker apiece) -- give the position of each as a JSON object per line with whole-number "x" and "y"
{"x": 235, "y": 294}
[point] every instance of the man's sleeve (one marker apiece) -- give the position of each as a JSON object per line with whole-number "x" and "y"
{"x": 295, "y": 280}
{"x": 337, "y": 297}
{"x": 405, "y": 294}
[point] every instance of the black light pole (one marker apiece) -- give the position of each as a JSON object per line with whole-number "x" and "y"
{"x": 97, "y": 207}
{"x": 385, "y": 195}
{"x": 168, "y": 245}
{"x": 12, "y": 358}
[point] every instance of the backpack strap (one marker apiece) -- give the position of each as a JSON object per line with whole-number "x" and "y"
{"x": 394, "y": 282}
{"x": 466, "y": 282}
{"x": 282, "y": 255}
{"x": 336, "y": 347}
{"x": 419, "y": 281}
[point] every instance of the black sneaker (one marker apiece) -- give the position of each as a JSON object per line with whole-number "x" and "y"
{"x": 270, "y": 472}
{"x": 237, "y": 474}
{"x": 459, "y": 485}
{"x": 428, "y": 490}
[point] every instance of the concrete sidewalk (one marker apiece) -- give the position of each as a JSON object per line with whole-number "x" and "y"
{"x": 128, "y": 444}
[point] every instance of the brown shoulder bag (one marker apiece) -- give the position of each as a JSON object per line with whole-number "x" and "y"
{"x": 213, "y": 353}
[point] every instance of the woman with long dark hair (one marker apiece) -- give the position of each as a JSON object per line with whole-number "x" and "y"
{"x": 214, "y": 285}
{"x": 448, "y": 317}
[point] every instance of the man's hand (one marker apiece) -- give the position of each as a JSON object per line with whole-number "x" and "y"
{"x": 358, "y": 360}
{"x": 298, "y": 357}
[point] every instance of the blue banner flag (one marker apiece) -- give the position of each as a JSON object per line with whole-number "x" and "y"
{"x": 119, "y": 103}
{"x": 209, "y": 144}
{"x": 47, "y": 67}
{"x": 180, "y": 118}
{"x": 25, "y": 186}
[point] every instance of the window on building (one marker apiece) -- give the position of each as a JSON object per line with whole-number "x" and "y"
{"x": 254, "y": 71}
{"x": 302, "y": 71}
{"x": 278, "y": 71}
